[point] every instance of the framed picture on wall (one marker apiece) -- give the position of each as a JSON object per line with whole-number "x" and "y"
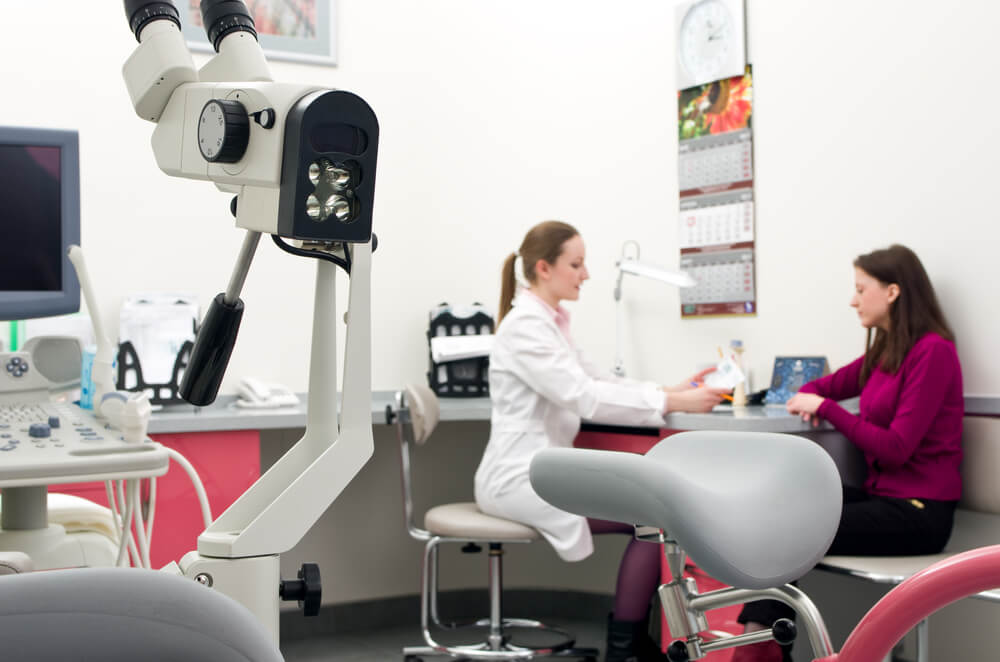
{"x": 295, "y": 30}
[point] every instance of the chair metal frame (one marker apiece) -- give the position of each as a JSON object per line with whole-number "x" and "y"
{"x": 684, "y": 608}
{"x": 497, "y": 644}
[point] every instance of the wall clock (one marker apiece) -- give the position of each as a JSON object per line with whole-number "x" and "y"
{"x": 711, "y": 41}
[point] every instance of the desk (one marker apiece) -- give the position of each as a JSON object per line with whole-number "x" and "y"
{"x": 224, "y": 415}
{"x": 224, "y": 443}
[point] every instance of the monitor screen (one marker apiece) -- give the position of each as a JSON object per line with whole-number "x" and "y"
{"x": 39, "y": 220}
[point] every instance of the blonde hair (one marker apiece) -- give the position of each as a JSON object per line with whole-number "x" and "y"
{"x": 543, "y": 242}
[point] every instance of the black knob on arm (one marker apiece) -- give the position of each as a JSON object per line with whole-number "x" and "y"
{"x": 212, "y": 348}
{"x": 307, "y": 589}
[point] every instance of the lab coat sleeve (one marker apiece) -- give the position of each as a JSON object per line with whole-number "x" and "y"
{"x": 539, "y": 357}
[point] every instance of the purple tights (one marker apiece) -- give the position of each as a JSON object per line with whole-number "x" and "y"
{"x": 638, "y": 574}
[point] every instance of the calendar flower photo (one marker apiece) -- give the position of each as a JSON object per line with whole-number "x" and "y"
{"x": 714, "y": 108}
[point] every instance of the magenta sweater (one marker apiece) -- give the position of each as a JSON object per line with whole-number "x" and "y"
{"x": 910, "y": 424}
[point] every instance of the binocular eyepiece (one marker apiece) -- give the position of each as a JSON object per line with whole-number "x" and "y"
{"x": 220, "y": 17}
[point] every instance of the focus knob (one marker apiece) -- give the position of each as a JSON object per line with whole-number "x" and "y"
{"x": 223, "y": 131}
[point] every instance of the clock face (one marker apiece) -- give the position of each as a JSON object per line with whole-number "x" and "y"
{"x": 709, "y": 43}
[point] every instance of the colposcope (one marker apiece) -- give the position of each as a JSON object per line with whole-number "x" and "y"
{"x": 300, "y": 161}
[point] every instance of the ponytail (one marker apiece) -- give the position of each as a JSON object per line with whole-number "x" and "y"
{"x": 508, "y": 284}
{"x": 543, "y": 242}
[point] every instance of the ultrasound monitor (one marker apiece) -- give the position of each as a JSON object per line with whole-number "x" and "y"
{"x": 39, "y": 220}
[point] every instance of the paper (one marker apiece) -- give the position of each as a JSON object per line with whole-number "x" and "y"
{"x": 726, "y": 376}
{"x": 456, "y": 348}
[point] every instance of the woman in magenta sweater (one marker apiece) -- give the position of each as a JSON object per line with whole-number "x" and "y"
{"x": 909, "y": 426}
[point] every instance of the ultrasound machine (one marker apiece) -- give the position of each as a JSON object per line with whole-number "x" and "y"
{"x": 44, "y": 438}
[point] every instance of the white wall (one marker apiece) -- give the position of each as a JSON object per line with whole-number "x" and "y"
{"x": 873, "y": 124}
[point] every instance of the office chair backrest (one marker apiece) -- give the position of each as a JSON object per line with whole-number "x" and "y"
{"x": 424, "y": 411}
{"x": 417, "y": 406}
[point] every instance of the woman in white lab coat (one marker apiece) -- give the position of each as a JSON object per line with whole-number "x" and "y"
{"x": 541, "y": 386}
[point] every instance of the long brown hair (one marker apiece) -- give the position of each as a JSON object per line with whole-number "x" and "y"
{"x": 543, "y": 242}
{"x": 912, "y": 314}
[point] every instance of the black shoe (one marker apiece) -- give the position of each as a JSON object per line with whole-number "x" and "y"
{"x": 629, "y": 641}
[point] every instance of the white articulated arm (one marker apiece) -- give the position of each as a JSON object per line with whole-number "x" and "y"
{"x": 274, "y": 514}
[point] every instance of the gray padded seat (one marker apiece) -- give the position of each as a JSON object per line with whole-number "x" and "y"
{"x": 754, "y": 510}
{"x": 464, "y": 520}
{"x": 125, "y": 614}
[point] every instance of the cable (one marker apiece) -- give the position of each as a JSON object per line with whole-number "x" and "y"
{"x": 127, "y": 523}
{"x": 152, "y": 511}
{"x": 113, "y": 505}
{"x": 126, "y": 532}
{"x": 140, "y": 529}
{"x": 206, "y": 513}
{"x": 344, "y": 262}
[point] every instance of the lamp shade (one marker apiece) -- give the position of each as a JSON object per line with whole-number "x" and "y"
{"x": 637, "y": 268}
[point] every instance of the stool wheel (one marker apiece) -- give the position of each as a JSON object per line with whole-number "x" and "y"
{"x": 677, "y": 652}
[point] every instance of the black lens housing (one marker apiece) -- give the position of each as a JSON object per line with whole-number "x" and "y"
{"x": 141, "y": 12}
{"x": 222, "y": 17}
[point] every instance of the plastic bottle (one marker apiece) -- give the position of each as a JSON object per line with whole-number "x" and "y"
{"x": 740, "y": 390}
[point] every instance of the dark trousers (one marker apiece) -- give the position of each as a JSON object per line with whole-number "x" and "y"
{"x": 874, "y": 526}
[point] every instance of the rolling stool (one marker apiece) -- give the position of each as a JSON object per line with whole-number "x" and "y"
{"x": 463, "y": 523}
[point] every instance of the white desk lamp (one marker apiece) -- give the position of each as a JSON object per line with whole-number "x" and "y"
{"x": 630, "y": 264}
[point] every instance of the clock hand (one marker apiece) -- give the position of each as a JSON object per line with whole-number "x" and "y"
{"x": 717, "y": 34}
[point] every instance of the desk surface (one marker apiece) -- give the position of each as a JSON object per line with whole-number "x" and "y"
{"x": 224, "y": 415}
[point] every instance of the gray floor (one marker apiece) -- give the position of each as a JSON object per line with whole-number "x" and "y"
{"x": 386, "y": 643}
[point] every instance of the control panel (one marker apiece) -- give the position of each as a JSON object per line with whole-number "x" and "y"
{"x": 18, "y": 373}
{"x": 55, "y": 442}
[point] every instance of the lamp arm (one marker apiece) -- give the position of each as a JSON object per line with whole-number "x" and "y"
{"x": 619, "y": 368}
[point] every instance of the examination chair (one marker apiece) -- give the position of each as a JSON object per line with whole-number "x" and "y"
{"x": 753, "y": 510}
{"x": 124, "y": 614}
{"x": 463, "y": 523}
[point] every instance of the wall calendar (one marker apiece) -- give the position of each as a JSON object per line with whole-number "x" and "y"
{"x": 716, "y": 215}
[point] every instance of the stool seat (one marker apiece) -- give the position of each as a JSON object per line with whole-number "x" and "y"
{"x": 754, "y": 510}
{"x": 465, "y": 520}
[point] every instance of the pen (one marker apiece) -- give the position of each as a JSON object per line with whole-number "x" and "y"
{"x": 723, "y": 395}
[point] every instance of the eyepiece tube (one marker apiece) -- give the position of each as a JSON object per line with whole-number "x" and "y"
{"x": 222, "y": 17}
{"x": 142, "y": 12}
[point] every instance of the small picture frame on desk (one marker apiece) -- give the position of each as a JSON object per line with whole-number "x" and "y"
{"x": 790, "y": 373}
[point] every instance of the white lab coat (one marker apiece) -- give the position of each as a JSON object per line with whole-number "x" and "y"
{"x": 540, "y": 387}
